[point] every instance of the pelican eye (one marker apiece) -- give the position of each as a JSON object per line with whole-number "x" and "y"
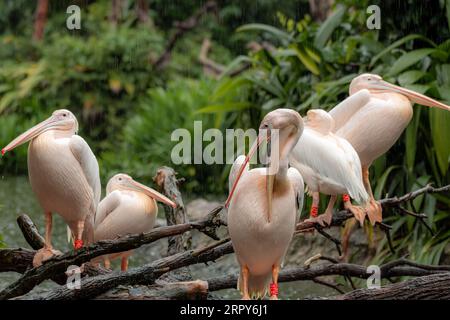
{"x": 120, "y": 179}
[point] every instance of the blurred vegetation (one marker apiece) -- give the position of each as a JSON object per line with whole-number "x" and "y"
{"x": 127, "y": 108}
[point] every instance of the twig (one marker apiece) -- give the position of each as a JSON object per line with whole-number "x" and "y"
{"x": 181, "y": 28}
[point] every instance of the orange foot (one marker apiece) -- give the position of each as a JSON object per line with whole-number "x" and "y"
{"x": 357, "y": 211}
{"x": 324, "y": 219}
{"x": 374, "y": 212}
{"x": 43, "y": 255}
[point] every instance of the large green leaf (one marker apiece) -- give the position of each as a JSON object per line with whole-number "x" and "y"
{"x": 408, "y": 59}
{"x": 411, "y": 140}
{"x": 307, "y": 61}
{"x": 328, "y": 26}
{"x": 410, "y": 77}
{"x": 440, "y": 131}
{"x": 264, "y": 27}
{"x": 397, "y": 44}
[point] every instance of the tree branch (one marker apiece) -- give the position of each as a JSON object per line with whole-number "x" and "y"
{"x": 182, "y": 28}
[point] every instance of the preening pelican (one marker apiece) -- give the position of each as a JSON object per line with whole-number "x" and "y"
{"x": 372, "y": 119}
{"x": 263, "y": 204}
{"x": 128, "y": 208}
{"x": 329, "y": 165}
{"x": 64, "y": 175}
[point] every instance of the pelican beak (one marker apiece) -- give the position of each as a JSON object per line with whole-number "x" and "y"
{"x": 270, "y": 179}
{"x": 412, "y": 95}
{"x": 253, "y": 149}
{"x": 30, "y": 134}
{"x": 152, "y": 193}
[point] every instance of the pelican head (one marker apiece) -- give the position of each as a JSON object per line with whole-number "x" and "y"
{"x": 319, "y": 120}
{"x": 61, "y": 120}
{"x": 374, "y": 83}
{"x": 281, "y": 129}
{"x": 124, "y": 182}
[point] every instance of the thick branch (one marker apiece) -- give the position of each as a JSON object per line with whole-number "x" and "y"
{"x": 59, "y": 264}
{"x": 393, "y": 269}
{"x": 146, "y": 275}
{"x": 431, "y": 287}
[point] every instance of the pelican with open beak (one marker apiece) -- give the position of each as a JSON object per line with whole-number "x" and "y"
{"x": 263, "y": 205}
{"x": 372, "y": 119}
{"x": 128, "y": 208}
{"x": 64, "y": 176}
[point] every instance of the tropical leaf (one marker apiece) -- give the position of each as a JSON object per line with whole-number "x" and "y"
{"x": 328, "y": 26}
{"x": 266, "y": 28}
{"x": 408, "y": 59}
{"x": 440, "y": 130}
{"x": 397, "y": 44}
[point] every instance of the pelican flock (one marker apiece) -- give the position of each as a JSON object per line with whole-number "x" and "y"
{"x": 331, "y": 152}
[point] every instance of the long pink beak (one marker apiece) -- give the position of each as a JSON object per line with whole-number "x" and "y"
{"x": 153, "y": 194}
{"x": 30, "y": 134}
{"x": 241, "y": 169}
{"x": 412, "y": 95}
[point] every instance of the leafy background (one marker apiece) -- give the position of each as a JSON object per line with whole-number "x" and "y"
{"x": 127, "y": 109}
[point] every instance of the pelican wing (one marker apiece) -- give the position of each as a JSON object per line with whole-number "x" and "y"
{"x": 235, "y": 170}
{"x": 347, "y": 108}
{"x": 89, "y": 165}
{"x": 299, "y": 187}
{"x": 110, "y": 203}
{"x": 332, "y": 160}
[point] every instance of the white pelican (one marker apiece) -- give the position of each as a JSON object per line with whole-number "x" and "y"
{"x": 329, "y": 165}
{"x": 128, "y": 208}
{"x": 64, "y": 175}
{"x": 262, "y": 206}
{"x": 372, "y": 119}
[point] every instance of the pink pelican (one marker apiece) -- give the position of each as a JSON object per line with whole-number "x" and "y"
{"x": 372, "y": 119}
{"x": 329, "y": 165}
{"x": 64, "y": 175}
{"x": 128, "y": 208}
{"x": 263, "y": 204}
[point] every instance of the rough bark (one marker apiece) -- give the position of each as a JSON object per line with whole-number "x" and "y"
{"x": 431, "y": 287}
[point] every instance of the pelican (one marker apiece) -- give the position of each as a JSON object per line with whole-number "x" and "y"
{"x": 263, "y": 204}
{"x": 128, "y": 208}
{"x": 64, "y": 175}
{"x": 329, "y": 165}
{"x": 372, "y": 118}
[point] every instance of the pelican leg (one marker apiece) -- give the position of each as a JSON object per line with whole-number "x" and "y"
{"x": 374, "y": 212}
{"x": 346, "y": 233}
{"x": 78, "y": 244}
{"x": 107, "y": 263}
{"x": 244, "y": 274}
{"x": 325, "y": 218}
{"x": 124, "y": 264}
{"x": 357, "y": 211}
{"x": 47, "y": 251}
{"x": 314, "y": 205}
{"x": 274, "y": 284}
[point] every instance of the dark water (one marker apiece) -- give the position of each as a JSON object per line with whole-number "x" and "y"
{"x": 16, "y": 198}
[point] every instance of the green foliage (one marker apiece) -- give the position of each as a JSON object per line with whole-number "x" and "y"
{"x": 146, "y": 138}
